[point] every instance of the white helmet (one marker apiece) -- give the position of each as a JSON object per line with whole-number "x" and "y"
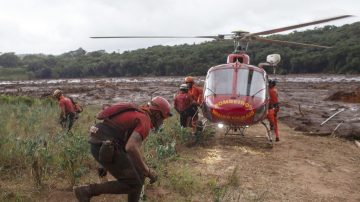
{"x": 184, "y": 87}
{"x": 57, "y": 93}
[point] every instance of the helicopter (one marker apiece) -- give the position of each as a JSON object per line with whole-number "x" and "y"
{"x": 236, "y": 93}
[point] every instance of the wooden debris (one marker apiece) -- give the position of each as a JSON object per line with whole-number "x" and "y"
{"x": 332, "y": 116}
{"x": 333, "y": 132}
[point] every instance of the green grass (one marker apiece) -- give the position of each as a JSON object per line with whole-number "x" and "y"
{"x": 32, "y": 141}
{"x": 34, "y": 147}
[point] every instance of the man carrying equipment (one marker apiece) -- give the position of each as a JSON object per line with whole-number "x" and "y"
{"x": 182, "y": 104}
{"x": 197, "y": 95}
{"x": 115, "y": 144}
{"x": 67, "y": 110}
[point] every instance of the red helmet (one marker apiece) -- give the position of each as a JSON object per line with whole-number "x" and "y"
{"x": 161, "y": 104}
{"x": 189, "y": 79}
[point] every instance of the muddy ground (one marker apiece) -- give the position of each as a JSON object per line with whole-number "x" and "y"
{"x": 308, "y": 164}
{"x": 306, "y": 100}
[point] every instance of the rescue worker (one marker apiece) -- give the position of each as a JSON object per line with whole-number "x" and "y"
{"x": 195, "y": 91}
{"x": 273, "y": 108}
{"x": 67, "y": 110}
{"x": 182, "y": 104}
{"x": 115, "y": 144}
{"x": 197, "y": 95}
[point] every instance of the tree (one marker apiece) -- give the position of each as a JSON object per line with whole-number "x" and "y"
{"x": 9, "y": 60}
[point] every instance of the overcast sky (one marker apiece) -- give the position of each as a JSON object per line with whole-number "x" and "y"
{"x": 58, "y": 26}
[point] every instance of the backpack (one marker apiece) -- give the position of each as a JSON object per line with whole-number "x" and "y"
{"x": 116, "y": 109}
{"x": 77, "y": 105}
{"x": 111, "y": 130}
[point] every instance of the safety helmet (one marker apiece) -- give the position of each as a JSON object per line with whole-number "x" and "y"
{"x": 161, "y": 104}
{"x": 184, "y": 87}
{"x": 272, "y": 82}
{"x": 189, "y": 79}
{"x": 57, "y": 93}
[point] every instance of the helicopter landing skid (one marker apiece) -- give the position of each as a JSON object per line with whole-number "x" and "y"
{"x": 268, "y": 133}
{"x": 240, "y": 129}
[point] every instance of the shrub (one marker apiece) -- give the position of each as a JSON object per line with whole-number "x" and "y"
{"x": 73, "y": 154}
{"x": 38, "y": 157}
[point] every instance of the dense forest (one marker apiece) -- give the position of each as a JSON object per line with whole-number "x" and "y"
{"x": 196, "y": 59}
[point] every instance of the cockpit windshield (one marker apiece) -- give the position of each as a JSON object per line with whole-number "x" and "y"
{"x": 219, "y": 82}
{"x": 249, "y": 83}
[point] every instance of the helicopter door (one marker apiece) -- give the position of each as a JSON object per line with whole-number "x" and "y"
{"x": 219, "y": 82}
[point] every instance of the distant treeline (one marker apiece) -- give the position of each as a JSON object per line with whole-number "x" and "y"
{"x": 196, "y": 59}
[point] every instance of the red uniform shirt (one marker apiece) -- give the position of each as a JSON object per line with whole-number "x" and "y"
{"x": 138, "y": 121}
{"x": 66, "y": 104}
{"x": 196, "y": 93}
{"x": 273, "y": 95}
{"x": 182, "y": 101}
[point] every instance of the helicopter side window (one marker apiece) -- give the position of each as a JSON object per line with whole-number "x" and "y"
{"x": 258, "y": 85}
{"x": 219, "y": 82}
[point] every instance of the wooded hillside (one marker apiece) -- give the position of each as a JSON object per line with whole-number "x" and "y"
{"x": 196, "y": 59}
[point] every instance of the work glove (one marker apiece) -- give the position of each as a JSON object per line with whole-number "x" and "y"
{"x": 101, "y": 172}
{"x": 152, "y": 176}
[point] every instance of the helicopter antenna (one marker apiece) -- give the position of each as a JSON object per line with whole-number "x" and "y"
{"x": 274, "y": 71}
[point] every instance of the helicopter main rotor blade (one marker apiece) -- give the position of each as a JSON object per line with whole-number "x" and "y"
{"x": 155, "y": 37}
{"x": 272, "y": 31}
{"x": 289, "y": 43}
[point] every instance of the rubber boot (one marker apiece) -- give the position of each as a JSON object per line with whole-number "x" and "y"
{"x": 84, "y": 193}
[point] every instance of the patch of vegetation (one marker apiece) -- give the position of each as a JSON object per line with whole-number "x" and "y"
{"x": 32, "y": 141}
{"x": 163, "y": 150}
{"x": 14, "y": 196}
{"x": 183, "y": 181}
{"x": 33, "y": 146}
{"x": 13, "y": 74}
{"x": 72, "y": 157}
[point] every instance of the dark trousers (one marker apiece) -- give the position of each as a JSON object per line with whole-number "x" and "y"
{"x": 184, "y": 117}
{"x": 129, "y": 178}
{"x": 68, "y": 122}
{"x": 187, "y": 115}
{"x": 193, "y": 113}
